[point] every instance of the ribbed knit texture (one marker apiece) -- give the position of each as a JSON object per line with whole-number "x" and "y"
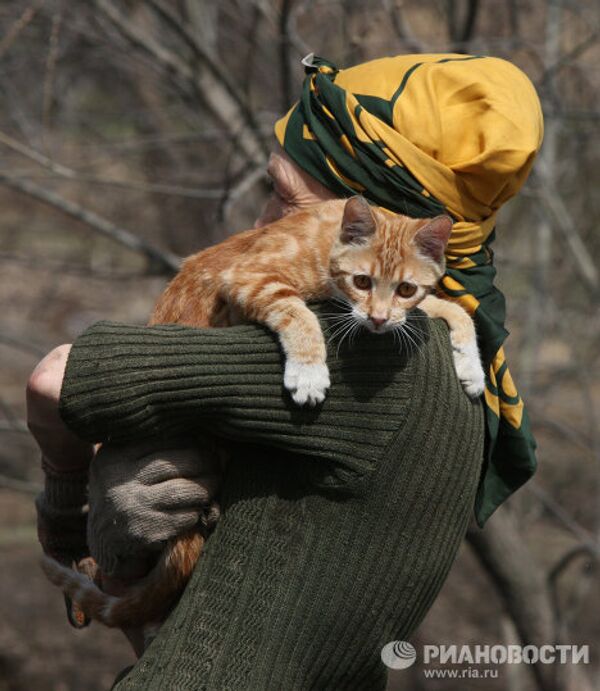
{"x": 62, "y": 513}
{"x": 331, "y": 544}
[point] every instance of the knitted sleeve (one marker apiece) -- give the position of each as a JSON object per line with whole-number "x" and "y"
{"x": 125, "y": 383}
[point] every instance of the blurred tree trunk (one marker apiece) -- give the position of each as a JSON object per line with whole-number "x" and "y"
{"x": 522, "y": 585}
{"x": 203, "y": 16}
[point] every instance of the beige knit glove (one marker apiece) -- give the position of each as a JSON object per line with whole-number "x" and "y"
{"x": 141, "y": 497}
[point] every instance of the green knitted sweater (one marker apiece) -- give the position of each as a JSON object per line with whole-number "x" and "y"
{"x": 339, "y": 524}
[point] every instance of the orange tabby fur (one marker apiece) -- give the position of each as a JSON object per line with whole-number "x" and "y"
{"x": 267, "y": 275}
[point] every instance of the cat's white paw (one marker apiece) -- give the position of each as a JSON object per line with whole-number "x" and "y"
{"x": 307, "y": 383}
{"x": 469, "y": 368}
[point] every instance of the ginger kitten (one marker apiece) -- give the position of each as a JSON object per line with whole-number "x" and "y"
{"x": 381, "y": 266}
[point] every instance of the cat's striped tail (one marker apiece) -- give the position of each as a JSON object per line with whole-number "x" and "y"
{"x": 147, "y": 601}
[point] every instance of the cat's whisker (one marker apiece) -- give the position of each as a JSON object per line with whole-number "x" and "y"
{"x": 350, "y": 328}
{"x": 345, "y": 333}
{"x": 412, "y": 335}
{"x": 407, "y": 342}
{"x": 418, "y": 330}
{"x": 336, "y": 325}
{"x": 340, "y": 300}
{"x": 357, "y": 329}
{"x": 340, "y": 329}
{"x": 337, "y": 316}
{"x": 341, "y": 308}
{"x": 339, "y": 325}
{"x": 346, "y": 316}
{"x": 401, "y": 338}
{"x": 409, "y": 339}
{"x": 420, "y": 336}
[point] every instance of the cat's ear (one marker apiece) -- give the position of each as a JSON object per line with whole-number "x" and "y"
{"x": 358, "y": 223}
{"x": 432, "y": 238}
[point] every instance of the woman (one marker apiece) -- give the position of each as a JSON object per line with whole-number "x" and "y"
{"x": 339, "y": 525}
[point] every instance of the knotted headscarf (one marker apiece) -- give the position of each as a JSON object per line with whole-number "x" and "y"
{"x": 423, "y": 135}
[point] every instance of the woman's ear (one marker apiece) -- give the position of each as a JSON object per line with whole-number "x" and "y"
{"x": 358, "y": 223}
{"x": 285, "y": 180}
{"x": 432, "y": 238}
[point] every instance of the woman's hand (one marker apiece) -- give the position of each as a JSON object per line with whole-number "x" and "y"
{"x": 62, "y": 451}
{"x": 61, "y": 507}
{"x": 144, "y": 494}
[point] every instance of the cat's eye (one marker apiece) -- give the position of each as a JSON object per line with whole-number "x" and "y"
{"x": 362, "y": 282}
{"x": 406, "y": 290}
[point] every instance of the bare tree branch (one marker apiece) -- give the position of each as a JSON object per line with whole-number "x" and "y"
{"x": 563, "y": 517}
{"x": 513, "y": 15}
{"x": 18, "y": 426}
{"x": 241, "y": 188}
{"x": 285, "y": 64}
{"x": 151, "y": 187}
{"x": 563, "y": 223}
{"x": 203, "y": 15}
{"x": 211, "y": 89}
{"x": 565, "y": 561}
{"x": 566, "y": 608}
{"x": 521, "y": 583}
{"x": 162, "y": 262}
{"x": 212, "y": 64}
{"x": 395, "y": 9}
{"x": 23, "y": 486}
{"x": 253, "y": 48}
{"x": 36, "y": 156}
{"x": 269, "y": 12}
{"x": 16, "y": 29}
{"x": 79, "y": 269}
{"x": 22, "y": 344}
{"x": 50, "y": 75}
{"x": 569, "y": 57}
{"x": 462, "y": 32}
{"x": 76, "y": 176}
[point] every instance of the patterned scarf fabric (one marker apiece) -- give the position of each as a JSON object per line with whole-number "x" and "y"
{"x": 423, "y": 135}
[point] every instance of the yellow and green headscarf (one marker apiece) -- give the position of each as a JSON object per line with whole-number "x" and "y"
{"x": 423, "y": 135}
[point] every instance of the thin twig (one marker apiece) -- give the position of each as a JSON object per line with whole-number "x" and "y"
{"x": 75, "y": 176}
{"x": 206, "y": 58}
{"x": 563, "y": 221}
{"x": 205, "y": 84}
{"x": 79, "y": 269}
{"x": 22, "y": 22}
{"x": 241, "y": 188}
{"x": 568, "y": 558}
{"x": 22, "y": 344}
{"x": 462, "y": 33}
{"x": 269, "y": 12}
{"x": 23, "y": 486}
{"x": 563, "y": 516}
{"x": 50, "y": 76}
{"x": 568, "y": 57}
{"x": 285, "y": 65}
{"x": 560, "y": 611}
{"x": 36, "y": 156}
{"x": 164, "y": 262}
{"x": 18, "y": 426}
{"x": 252, "y": 49}
{"x": 564, "y": 431}
{"x": 395, "y": 9}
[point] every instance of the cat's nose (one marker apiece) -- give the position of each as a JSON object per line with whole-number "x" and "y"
{"x": 377, "y": 321}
